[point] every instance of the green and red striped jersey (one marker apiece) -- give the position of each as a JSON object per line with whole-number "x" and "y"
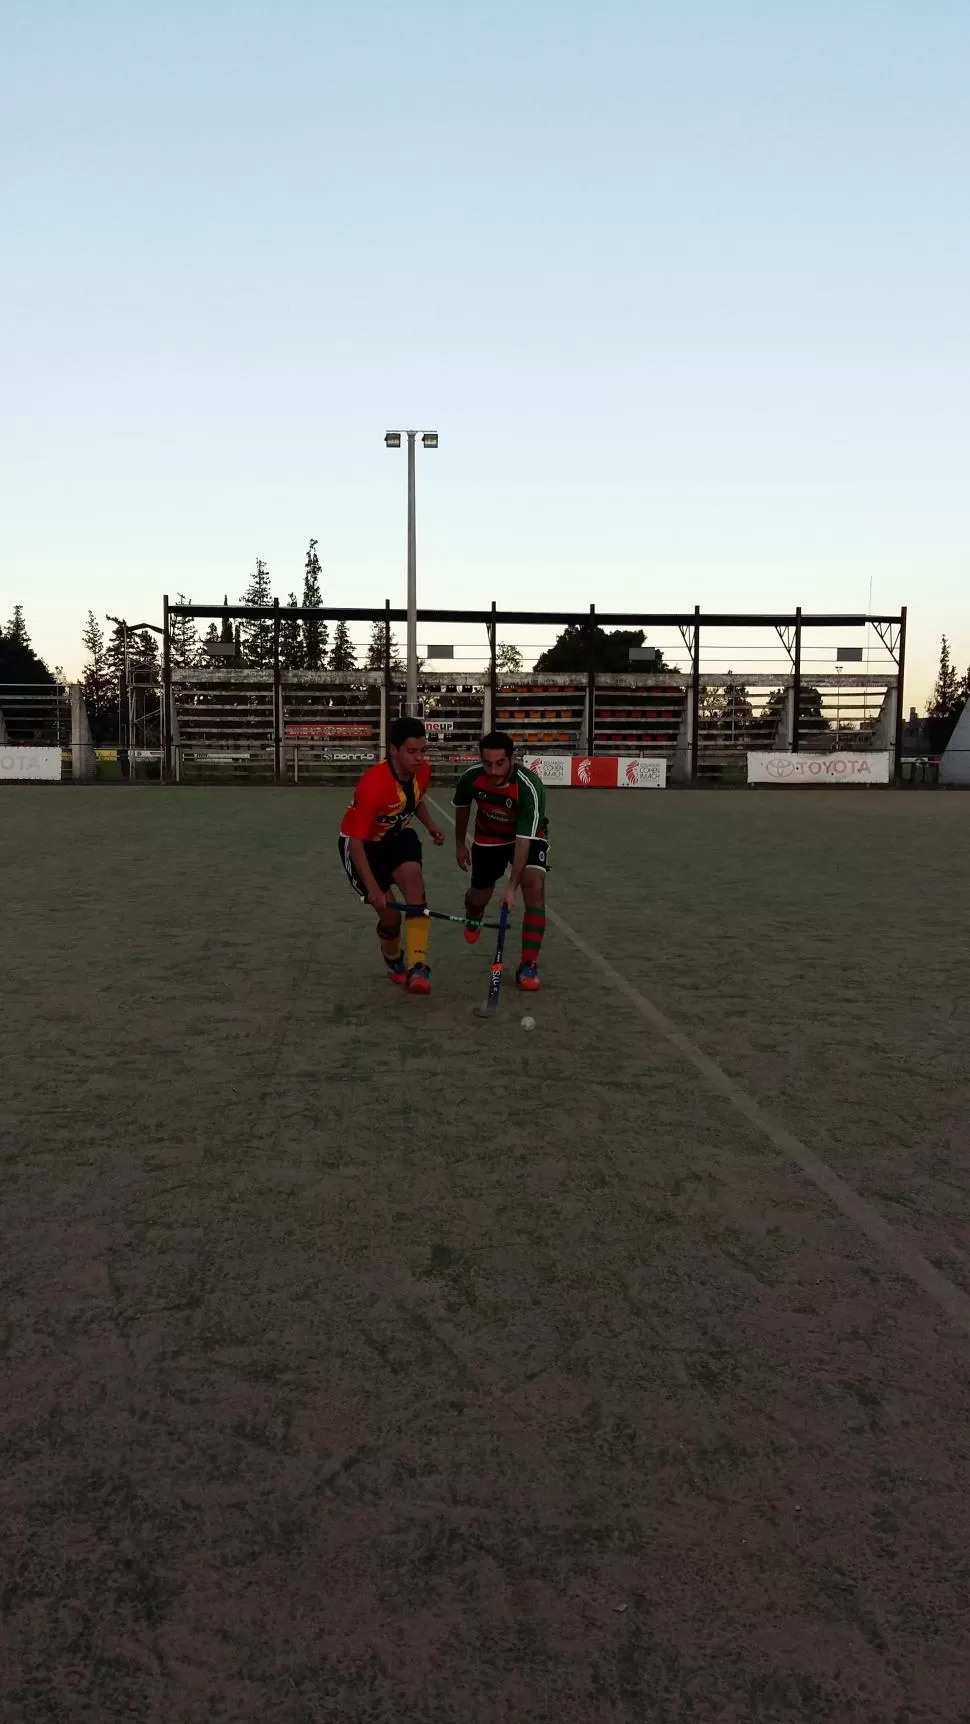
{"x": 504, "y": 812}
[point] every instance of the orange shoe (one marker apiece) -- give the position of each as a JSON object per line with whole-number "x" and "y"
{"x": 397, "y": 971}
{"x": 472, "y": 932}
{"x": 419, "y": 979}
{"x": 527, "y": 978}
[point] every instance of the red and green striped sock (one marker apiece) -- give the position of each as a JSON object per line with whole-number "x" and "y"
{"x": 533, "y": 928}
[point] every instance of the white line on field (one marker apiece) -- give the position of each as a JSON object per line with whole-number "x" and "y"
{"x": 906, "y": 1258}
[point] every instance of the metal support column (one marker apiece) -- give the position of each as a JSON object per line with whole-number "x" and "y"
{"x": 124, "y": 706}
{"x": 412, "y": 586}
{"x": 166, "y": 693}
{"x": 277, "y": 698}
{"x": 900, "y": 674}
{"x": 796, "y": 720}
{"x": 492, "y": 625}
{"x": 386, "y": 702}
{"x": 695, "y": 696}
{"x": 591, "y": 686}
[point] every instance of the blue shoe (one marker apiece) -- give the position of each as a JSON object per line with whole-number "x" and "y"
{"x": 527, "y": 978}
{"x": 397, "y": 970}
{"x": 419, "y": 979}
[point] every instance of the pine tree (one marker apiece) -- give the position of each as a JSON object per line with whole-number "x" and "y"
{"x": 142, "y": 656}
{"x": 16, "y": 631}
{"x": 100, "y": 688}
{"x": 376, "y": 647}
{"x": 257, "y": 633}
{"x": 114, "y": 654}
{"x": 184, "y": 638}
{"x": 315, "y": 632}
{"x": 342, "y": 654}
{"x": 211, "y": 635}
{"x": 145, "y": 656}
{"x": 226, "y": 633}
{"x": 18, "y": 661}
{"x": 946, "y": 700}
{"x": 291, "y": 639}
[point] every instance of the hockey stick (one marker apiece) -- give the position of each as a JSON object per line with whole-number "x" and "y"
{"x": 490, "y": 1007}
{"x": 436, "y": 915}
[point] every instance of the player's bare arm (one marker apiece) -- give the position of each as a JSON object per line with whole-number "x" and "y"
{"x": 462, "y": 856}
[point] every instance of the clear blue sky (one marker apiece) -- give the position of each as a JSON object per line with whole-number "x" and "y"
{"x": 684, "y": 288}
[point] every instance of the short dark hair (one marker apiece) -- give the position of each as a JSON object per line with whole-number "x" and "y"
{"x": 403, "y": 729}
{"x": 497, "y": 739}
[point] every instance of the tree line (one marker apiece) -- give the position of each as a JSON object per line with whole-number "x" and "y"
{"x": 952, "y": 691}
{"x": 306, "y": 644}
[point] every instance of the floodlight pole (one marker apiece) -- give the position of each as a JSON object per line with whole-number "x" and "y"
{"x": 392, "y": 440}
{"x": 412, "y": 695}
{"x": 166, "y": 693}
{"x": 838, "y": 706}
{"x": 900, "y": 675}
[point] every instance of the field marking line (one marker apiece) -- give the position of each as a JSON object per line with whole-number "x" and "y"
{"x": 877, "y": 1229}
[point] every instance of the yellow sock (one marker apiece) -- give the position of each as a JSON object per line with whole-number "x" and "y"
{"x": 417, "y": 933}
{"x": 391, "y": 946}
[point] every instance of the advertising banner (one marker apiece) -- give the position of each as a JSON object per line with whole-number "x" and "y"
{"x": 551, "y": 768}
{"x": 640, "y": 774}
{"x": 328, "y": 732}
{"x": 214, "y": 757}
{"x": 30, "y": 765}
{"x": 794, "y": 769}
{"x": 599, "y": 771}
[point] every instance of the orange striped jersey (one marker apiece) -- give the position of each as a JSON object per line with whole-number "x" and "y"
{"x": 383, "y": 802}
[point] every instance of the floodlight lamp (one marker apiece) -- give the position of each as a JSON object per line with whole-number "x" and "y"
{"x": 392, "y": 439}
{"x": 430, "y": 439}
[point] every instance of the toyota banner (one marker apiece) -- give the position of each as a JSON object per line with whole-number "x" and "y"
{"x": 796, "y": 769}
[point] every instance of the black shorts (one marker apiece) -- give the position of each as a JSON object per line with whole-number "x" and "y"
{"x": 384, "y": 855}
{"x": 489, "y": 861}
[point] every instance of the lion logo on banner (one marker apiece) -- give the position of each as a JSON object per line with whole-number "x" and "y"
{"x": 584, "y": 771}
